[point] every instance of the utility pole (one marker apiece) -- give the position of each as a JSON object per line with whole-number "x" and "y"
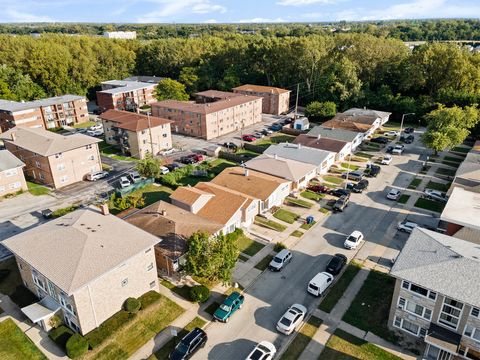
{"x": 401, "y": 123}
{"x": 296, "y": 102}
{"x": 150, "y": 132}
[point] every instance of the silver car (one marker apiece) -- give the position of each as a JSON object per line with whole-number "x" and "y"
{"x": 292, "y": 319}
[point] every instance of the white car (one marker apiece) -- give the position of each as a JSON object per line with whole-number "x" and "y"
{"x": 391, "y": 133}
{"x": 167, "y": 152}
{"x": 264, "y": 350}
{"x": 97, "y": 175}
{"x": 353, "y": 240}
{"x": 291, "y": 319}
{"x": 94, "y": 132}
{"x": 393, "y": 194}
{"x": 387, "y": 159}
{"x": 398, "y": 149}
{"x": 134, "y": 176}
{"x": 436, "y": 195}
{"x": 98, "y": 126}
{"x": 164, "y": 170}
{"x": 406, "y": 226}
{"x": 124, "y": 182}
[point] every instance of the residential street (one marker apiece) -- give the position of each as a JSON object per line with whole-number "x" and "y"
{"x": 269, "y": 297}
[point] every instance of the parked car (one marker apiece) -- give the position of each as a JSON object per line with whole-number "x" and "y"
{"x": 94, "y": 132}
{"x": 398, "y": 149}
{"x": 435, "y": 195}
{"x": 134, "y": 176}
{"x": 97, "y": 126}
{"x": 164, "y": 170}
{"x": 267, "y": 132}
{"x": 187, "y": 160}
{"x": 189, "y": 345}
{"x": 339, "y": 192}
{"x": 280, "y": 260}
{"x": 97, "y": 175}
{"x": 230, "y": 145}
{"x": 124, "y": 182}
{"x": 386, "y": 160}
{"x": 391, "y": 133}
{"x": 336, "y": 264}
{"x": 380, "y": 140}
{"x": 97, "y": 111}
{"x": 292, "y": 319}
{"x": 353, "y": 240}
{"x": 275, "y": 127}
{"x": 264, "y": 350}
{"x": 258, "y": 134}
{"x": 248, "y": 138}
{"x": 229, "y": 306}
{"x": 353, "y": 175}
{"x": 373, "y": 170}
{"x": 407, "y": 139}
{"x": 341, "y": 203}
{"x": 197, "y": 157}
{"x": 389, "y": 149}
{"x": 167, "y": 152}
{"x": 172, "y": 166}
{"x": 81, "y": 131}
{"x": 47, "y": 213}
{"x": 358, "y": 187}
{"x": 406, "y": 226}
{"x": 287, "y": 121}
{"x": 319, "y": 189}
{"x": 393, "y": 194}
{"x": 320, "y": 283}
{"x": 409, "y": 130}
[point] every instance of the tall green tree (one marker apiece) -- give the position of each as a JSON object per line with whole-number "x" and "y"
{"x": 149, "y": 166}
{"x": 189, "y": 78}
{"x": 318, "y": 111}
{"x": 16, "y": 86}
{"x": 449, "y": 126}
{"x": 169, "y": 89}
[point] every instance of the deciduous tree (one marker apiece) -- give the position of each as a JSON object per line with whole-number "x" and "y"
{"x": 169, "y": 89}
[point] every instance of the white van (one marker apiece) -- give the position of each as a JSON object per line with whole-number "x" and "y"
{"x": 320, "y": 283}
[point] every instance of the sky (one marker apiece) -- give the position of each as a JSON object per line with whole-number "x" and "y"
{"x": 231, "y": 11}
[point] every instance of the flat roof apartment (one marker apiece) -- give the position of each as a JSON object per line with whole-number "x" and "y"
{"x": 126, "y": 94}
{"x": 52, "y": 159}
{"x": 136, "y": 135}
{"x": 213, "y": 114}
{"x": 46, "y": 113}
{"x": 276, "y": 101}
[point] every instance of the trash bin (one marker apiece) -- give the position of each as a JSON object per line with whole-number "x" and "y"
{"x": 309, "y": 219}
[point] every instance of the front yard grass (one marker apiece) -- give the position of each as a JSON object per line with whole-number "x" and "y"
{"x": 307, "y": 194}
{"x": 15, "y": 345}
{"x": 461, "y": 149}
{"x": 403, "y": 199}
{"x": 333, "y": 179}
{"x": 113, "y": 152}
{"x": 414, "y": 183}
{"x": 339, "y": 287}
{"x": 351, "y": 167}
{"x": 151, "y": 193}
{"x": 182, "y": 291}
{"x": 296, "y": 233}
{"x": 308, "y": 226}
{"x": 302, "y": 339}
{"x": 344, "y": 346}
{"x": 298, "y": 202}
{"x": 263, "y": 264}
{"x": 218, "y": 165}
{"x": 269, "y": 224}
{"x": 286, "y": 216}
{"x": 370, "y": 309}
{"x": 438, "y": 186}
{"x": 364, "y": 155}
{"x": 248, "y": 246}
{"x": 84, "y": 125}
{"x": 446, "y": 172}
{"x": 37, "y": 190}
{"x": 431, "y": 205}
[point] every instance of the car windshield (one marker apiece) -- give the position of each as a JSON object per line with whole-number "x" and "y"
{"x": 182, "y": 348}
{"x": 277, "y": 260}
{"x": 256, "y": 355}
{"x": 313, "y": 287}
{"x": 352, "y": 238}
{"x": 285, "y": 321}
{"x": 225, "y": 307}
{"x": 334, "y": 262}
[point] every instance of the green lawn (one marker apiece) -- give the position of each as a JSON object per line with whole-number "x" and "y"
{"x": 133, "y": 334}
{"x": 296, "y": 233}
{"x": 84, "y": 125}
{"x": 298, "y": 202}
{"x": 152, "y": 193}
{"x": 307, "y": 194}
{"x": 286, "y": 216}
{"x": 165, "y": 350}
{"x": 451, "y": 163}
{"x": 37, "y": 190}
{"x": 15, "y": 345}
{"x": 248, "y": 246}
{"x": 453, "y": 159}
{"x": 344, "y": 346}
{"x": 263, "y": 264}
{"x": 337, "y": 290}
{"x": 444, "y": 171}
{"x": 364, "y": 155}
{"x": 269, "y": 224}
{"x": 113, "y": 152}
{"x": 370, "y": 309}
{"x": 414, "y": 183}
{"x": 438, "y": 186}
{"x": 300, "y": 342}
{"x": 182, "y": 291}
{"x": 242, "y": 258}
{"x": 351, "y": 167}
{"x": 431, "y": 205}
{"x": 333, "y": 179}
{"x": 306, "y": 226}
{"x": 248, "y": 153}
{"x": 325, "y": 211}
{"x": 218, "y": 165}
{"x": 403, "y": 199}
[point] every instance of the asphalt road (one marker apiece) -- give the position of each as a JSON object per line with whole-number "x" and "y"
{"x": 272, "y": 293}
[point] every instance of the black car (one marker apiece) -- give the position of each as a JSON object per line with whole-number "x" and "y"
{"x": 389, "y": 149}
{"x": 187, "y": 160}
{"x": 380, "y": 140}
{"x": 172, "y": 166}
{"x": 358, "y": 187}
{"x": 374, "y": 170}
{"x": 336, "y": 263}
{"x": 409, "y": 130}
{"x": 47, "y": 213}
{"x": 230, "y": 145}
{"x": 339, "y": 192}
{"x": 189, "y": 345}
{"x": 341, "y": 203}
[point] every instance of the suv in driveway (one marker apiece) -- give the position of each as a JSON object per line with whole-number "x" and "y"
{"x": 231, "y": 304}
{"x": 341, "y": 203}
{"x": 358, "y": 187}
{"x": 373, "y": 170}
{"x": 189, "y": 345}
{"x": 280, "y": 260}
{"x": 398, "y": 149}
{"x": 406, "y": 226}
{"x": 339, "y": 192}
{"x": 353, "y": 175}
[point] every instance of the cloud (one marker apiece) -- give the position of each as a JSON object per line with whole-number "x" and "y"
{"x": 171, "y": 8}
{"x": 261, "y": 20}
{"x": 210, "y": 21}
{"x": 304, "y": 2}
{"x": 14, "y": 15}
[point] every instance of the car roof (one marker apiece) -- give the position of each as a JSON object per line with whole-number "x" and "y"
{"x": 356, "y": 233}
{"x": 394, "y": 191}
{"x": 193, "y": 334}
{"x": 231, "y": 298}
{"x": 320, "y": 277}
{"x": 283, "y": 253}
{"x": 409, "y": 223}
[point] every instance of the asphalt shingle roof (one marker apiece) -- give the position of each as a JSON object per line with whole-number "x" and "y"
{"x": 300, "y": 153}
{"x": 332, "y": 133}
{"x": 9, "y": 161}
{"x": 287, "y": 169}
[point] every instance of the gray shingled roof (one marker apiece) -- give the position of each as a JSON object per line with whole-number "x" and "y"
{"x": 298, "y": 152}
{"x": 124, "y": 86}
{"x": 9, "y": 161}
{"x": 13, "y": 106}
{"x": 337, "y": 134}
{"x": 77, "y": 248}
{"x": 441, "y": 263}
{"x": 366, "y": 112}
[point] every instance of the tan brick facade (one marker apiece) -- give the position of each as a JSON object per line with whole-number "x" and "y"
{"x": 129, "y": 100}
{"x": 275, "y": 101}
{"x": 12, "y": 181}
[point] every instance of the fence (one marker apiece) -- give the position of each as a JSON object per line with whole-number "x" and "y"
{"x": 255, "y": 148}
{"x": 129, "y": 189}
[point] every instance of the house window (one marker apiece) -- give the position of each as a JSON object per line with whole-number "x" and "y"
{"x": 397, "y": 322}
{"x": 419, "y": 290}
{"x": 150, "y": 267}
{"x": 91, "y": 157}
{"x": 64, "y": 178}
{"x": 416, "y": 309}
{"x": 37, "y": 164}
{"x": 38, "y": 281}
{"x": 472, "y": 332}
{"x": 14, "y": 185}
{"x": 42, "y": 177}
{"x": 152, "y": 284}
{"x": 88, "y": 147}
{"x": 143, "y": 132}
{"x": 450, "y": 313}
{"x": 148, "y": 250}
{"x": 124, "y": 282}
{"x": 60, "y": 167}
{"x": 406, "y": 325}
{"x": 11, "y": 172}
{"x": 475, "y": 312}
{"x": 164, "y": 135}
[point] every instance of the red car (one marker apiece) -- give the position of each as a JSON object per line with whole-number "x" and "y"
{"x": 196, "y": 157}
{"x": 319, "y": 189}
{"x": 249, "y": 138}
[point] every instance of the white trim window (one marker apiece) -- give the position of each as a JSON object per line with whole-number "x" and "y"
{"x": 450, "y": 313}
{"x": 419, "y": 290}
{"x": 414, "y": 309}
{"x": 472, "y": 332}
{"x": 38, "y": 281}
{"x": 64, "y": 178}
{"x": 475, "y": 312}
{"x": 407, "y": 326}
{"x": 60, "y": 167}
{"x": 11, "y": 172}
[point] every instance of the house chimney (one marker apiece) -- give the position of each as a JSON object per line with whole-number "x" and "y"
{"x": 319, "y": 136}
{"x": 163, "y": 212}
{"x": 275, "y": 156}
{"x": 246, "y": 172}
{"x": 13, "y": 135}
{"x": 104, "y": 209}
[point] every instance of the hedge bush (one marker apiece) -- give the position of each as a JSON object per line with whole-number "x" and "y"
{"x": 60, "y": 335}
{"x": 77, "y": 346}
{"x": 132, "y": 305}
{"x": 279, "y": 246}
{"x": 199, "y": 293}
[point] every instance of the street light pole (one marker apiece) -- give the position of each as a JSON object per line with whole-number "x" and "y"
{"x": 401, "y": 123}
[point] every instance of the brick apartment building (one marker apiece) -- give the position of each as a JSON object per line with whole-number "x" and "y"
{"x": 214, "y": 113}
{"x": 12, "y": 178}
{"x": 276, "y": 101}
{"x": 136, "y": 134}
{"x": 128, "y": 94}
{"x": 46, "y": 113}
{"x": 52, "y": 159}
